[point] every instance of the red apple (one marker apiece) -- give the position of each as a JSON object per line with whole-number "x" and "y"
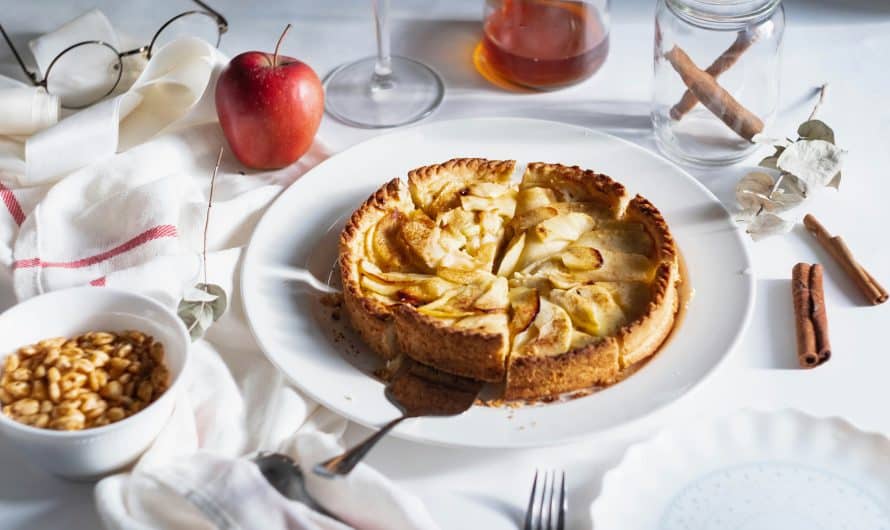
{"x": 269, "y": 106}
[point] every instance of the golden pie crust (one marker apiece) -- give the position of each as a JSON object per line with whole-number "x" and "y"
{"x": 559, "y": 283}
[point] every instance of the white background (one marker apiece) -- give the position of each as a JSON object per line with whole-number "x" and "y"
{"x": 843, "y": 42}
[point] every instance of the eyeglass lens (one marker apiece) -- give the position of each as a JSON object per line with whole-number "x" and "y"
{"x": 84, "y": 74}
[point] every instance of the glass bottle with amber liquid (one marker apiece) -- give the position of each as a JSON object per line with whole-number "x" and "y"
{"x": 543, "y": 44}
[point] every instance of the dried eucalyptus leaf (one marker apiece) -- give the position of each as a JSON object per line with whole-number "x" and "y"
{"x": 768, "y": 224}
{"x": 792, "y": 185}
{"x": 193, "y": 294}
{"x": 197, "y": 319}
{"x": 752, "y": 190}
{"x": 195, "y": 331}
{"x": 755, "y": 191}
{"x": 814, "y": 162}
{"x": 199, "y": 315}
{"x": 205, "y": 317}
{"x": 188, "y": 309}
{"x": 189, "y": 313}
{"x": 770, "y": 161}
{"x": 220, "y": 303}
{"x": 816, "y": 130}
{"x": 783, "y": 199}
{"x": 835, "y": 181}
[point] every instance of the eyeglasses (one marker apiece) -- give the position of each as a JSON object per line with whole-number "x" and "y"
{"x": 88, "y": 71}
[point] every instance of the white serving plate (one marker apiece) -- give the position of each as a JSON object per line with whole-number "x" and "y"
{"x": 301, "y": 229}
{"x": 751, "y": 471}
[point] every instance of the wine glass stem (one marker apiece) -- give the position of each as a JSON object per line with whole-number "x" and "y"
{"x": 382, "y": 78}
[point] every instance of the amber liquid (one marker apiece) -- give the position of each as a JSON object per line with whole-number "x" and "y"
{"x": 544, "y": 43}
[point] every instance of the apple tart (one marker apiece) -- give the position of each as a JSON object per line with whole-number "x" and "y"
{"x": 559, "y": 283}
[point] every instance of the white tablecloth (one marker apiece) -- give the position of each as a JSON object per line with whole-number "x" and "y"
{"x": 842, "y": 42}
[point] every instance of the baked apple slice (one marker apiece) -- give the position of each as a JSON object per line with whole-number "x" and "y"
{"x": 464, "y": 276}
{"x": 565, "y": 227}
{"x": 531, "y": 218}
{"x": 581, "y": 258}
{"x": 524, "y": 306}
{"x": 534, "y": 197}
{"x": 385, "y": 247}
{"x": 419, "y": 235}
{"x": 488, "y": 323}
{"x": 496, "y": 298}
{"x": 425, "y": 291}
{"x": 592, "y": 308}
{"x": 490, "y": 189}
{"x": 504, "y": 205}
{"x": 454, "y": 304}
{"x": 549, "y": 334}
{"x": 624, "y": 239}
{"x": 510, "y": 260}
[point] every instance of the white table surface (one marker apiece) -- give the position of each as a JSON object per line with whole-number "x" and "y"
{"x": 843, "y": 42}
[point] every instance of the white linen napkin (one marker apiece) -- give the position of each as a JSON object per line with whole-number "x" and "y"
{"x": 27, "y": 110}
{"x": 134, "y": 220}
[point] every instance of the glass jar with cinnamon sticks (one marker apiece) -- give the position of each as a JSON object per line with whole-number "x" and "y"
{"x": 717, "y": 69}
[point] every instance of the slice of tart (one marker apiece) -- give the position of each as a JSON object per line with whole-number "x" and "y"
{"x": 451, "y": 312}
{"x": 605, "y": 269}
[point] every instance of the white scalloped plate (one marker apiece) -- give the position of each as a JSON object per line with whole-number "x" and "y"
{"x": 751, "y": 471}
{"x": 302, "y": 227}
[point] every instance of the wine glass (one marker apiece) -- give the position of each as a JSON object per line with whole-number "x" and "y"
{"x": 382, "y": 91}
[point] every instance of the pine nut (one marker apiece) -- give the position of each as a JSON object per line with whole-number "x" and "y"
{"x": 144, "y": 392}
{"x": 38, "y": 389}
{"x": 12, "y": 363}
{"x": 115, "y": 414}
{"x": 18, "y": 389}
{"x": 41, "y": 421}
{"x": 55, "y": 393}
{"x": 26, "y": 407}
{"x": 21, "y": 374}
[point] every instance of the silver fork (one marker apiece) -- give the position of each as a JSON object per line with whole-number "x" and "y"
{"x": 547, "y": 503}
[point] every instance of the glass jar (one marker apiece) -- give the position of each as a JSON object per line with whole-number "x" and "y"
{"x": 543, "y": 44}
{"x": 717, "y": 69}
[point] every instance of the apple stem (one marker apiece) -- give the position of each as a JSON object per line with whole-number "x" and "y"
{"x": 277, "y": 46}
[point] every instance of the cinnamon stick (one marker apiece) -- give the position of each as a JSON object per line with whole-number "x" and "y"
{"x": 807, "y": 354}
{"x": 818, "y": 314}
{"x": 724, "y": 62}
{"x": 873, "y": 291}
{"x": 713, "y": 96}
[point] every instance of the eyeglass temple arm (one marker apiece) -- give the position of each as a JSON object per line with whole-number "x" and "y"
{"x": 31, "y": 75}
{"x": 223, "y": 23}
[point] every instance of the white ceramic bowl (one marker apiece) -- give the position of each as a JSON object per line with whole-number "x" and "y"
{"x": 91, "y": 453}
